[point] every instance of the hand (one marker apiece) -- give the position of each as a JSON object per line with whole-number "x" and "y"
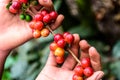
{"x": 13, "y": 31}
{"x": 65, "y": 72}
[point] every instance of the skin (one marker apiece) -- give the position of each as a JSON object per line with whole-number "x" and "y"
{"x": 15, "y": 32}
{"x": 68, "y": 66}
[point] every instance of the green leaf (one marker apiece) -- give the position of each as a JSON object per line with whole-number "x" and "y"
{"x": 116, "y": 50}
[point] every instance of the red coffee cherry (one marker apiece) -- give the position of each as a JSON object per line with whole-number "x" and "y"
{"x": 12, "y": 10}
{"x": 76, "y": 77}
{"x": 65, "y": 34}
{"x": 38, "y": 17}
{"x": 53, "y": 15}
{"x": 24, "y": 1}
{"x": 69, "y": 38}
{"x": 88, "y": 71}
{"x": 59, "y": 60}
{"x": 16, "y": 5}
{"x": 58, "y": 37}
{"x": 85, "y": 62}
{"x": 38, "y": 25}
{"x": 61, "y": 43}
{"x": 53, "y": 46}
{"x": 47, "y": 18}
{"x": 78, "y": 70}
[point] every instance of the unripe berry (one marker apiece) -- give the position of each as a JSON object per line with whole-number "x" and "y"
{"x": 36, "y": 34}
{"x": 76, "y": 77}
{"x": 59, "y": 52}
{"x": 45, "y": 32}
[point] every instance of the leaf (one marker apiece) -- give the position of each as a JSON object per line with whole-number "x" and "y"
{"x": 116, "y": 50}
{"x": 83, "y": 31}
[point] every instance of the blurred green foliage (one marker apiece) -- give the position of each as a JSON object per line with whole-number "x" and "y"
{"x": 26, "y": 61}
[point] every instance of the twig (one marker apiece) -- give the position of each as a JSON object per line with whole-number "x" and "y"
{"x": 68, "y": 49}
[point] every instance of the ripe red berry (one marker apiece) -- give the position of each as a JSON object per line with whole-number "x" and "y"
{"x": 61, "y": 43}
{"x": 59, "y": 52}
{"x": 69, "y": 38}
{"x": 45, "y": 32}
{"x": 85, "y": 62}
{"x": 16, "y": 5}
{"x": 78, "y": 70}
{"x": 76, "y": 77}
{"x": 12, "y": 10}
{"x": 59, "y": 60}
{"x": 58, "y": 37}
{"x": 31, "y": 24}
{"x": 53, "y": 15}
{"x": 24, "y": 1}
{"x": 47, "y": 18}
{"x": 44, "y": 12}
{"x": 65, "y": 34}
{"x": 36, "y": 34}
{"x": 53, "y": 46}
{"x": 88, "y": 71}
{"x": 38, "y": 25}
{"x": 38, "y": 17}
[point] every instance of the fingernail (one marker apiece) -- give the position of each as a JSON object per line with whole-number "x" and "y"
{"x": 100, "y": 76}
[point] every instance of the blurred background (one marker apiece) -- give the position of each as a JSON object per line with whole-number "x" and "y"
{"x": 97, "y": 21}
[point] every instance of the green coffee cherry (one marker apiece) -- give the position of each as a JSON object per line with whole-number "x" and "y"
{"x": 28, "y": 17}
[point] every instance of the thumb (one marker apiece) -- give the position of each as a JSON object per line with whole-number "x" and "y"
{"x": 47, "y": 4}
{"x": 51, "y": 60}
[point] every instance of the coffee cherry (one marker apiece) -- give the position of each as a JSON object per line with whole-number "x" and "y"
{"x": 65, "y": 34}
{"x": 16, "y": 5}
{"x": 45, "y": 32}
{"x": 12, "y": 10}
{"x": 22, "y": 16}
{"x": 32, "y": 24}
{"x": 24, "y": 1}
{"x": 28, "y": 17}
{"x": 78, "y": 70}
{"x": 76, "y": 77}
{"x": 61, "y": 43}
{"x": 58, "y": 37}
{"x": 36, "y": 34}
{"x": 44, "y": 12}
{"x": 53, "y": 15}
{"x": 47, "y": 18}
{"x": 59, "y": 52}
{"x": 88, "y": 71}
{"x": 69, "y": 38}
{"x": 38, "y": 25}
{"x": 53, "y": 46}
{"x": 59, "y": 60}
{"x": 85, "y": 62}
{"x": 38, "y": 17}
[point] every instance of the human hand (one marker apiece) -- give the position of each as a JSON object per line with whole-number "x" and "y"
{"x": 66, "y": 71}
{"x": 13, "y": 31}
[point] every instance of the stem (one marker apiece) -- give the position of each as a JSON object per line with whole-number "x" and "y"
{"x": 68, "y": 49}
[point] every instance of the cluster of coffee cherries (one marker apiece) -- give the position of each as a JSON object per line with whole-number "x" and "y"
{"x": 83, "y": 70}
{"x": 40, "y": 21}
{"x": 21, "y": 6}
{"x": 61, "y": 41}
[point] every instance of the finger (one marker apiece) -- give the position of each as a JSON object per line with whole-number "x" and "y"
{"x": 51, "y": 60}
{"x": 95, "y": 59}
{"x": 84, "y": 46}
{"x": 70, "y": 62}
{"x": 47, "y": 3}
{"x": 58, "y": 22}
{"x": 96, "y": 76}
